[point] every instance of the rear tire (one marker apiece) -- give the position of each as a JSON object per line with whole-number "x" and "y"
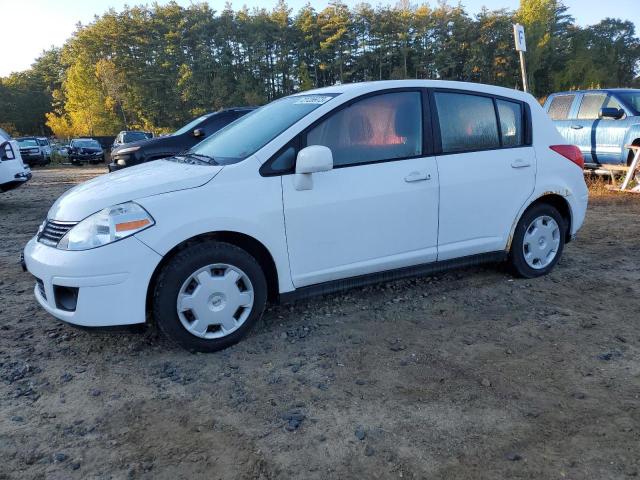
{"x": 538, "y": 241}
{"x": 209, "y": 295}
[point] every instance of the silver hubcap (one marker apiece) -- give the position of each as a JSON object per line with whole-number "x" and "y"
{"x": 215, "y": 301}
{"x": 541, "y": 242}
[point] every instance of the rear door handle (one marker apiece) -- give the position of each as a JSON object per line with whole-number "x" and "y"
{"x": 577, "y": 127}
{"x": 520, "y": 163}
{"x": 417, "y": 177}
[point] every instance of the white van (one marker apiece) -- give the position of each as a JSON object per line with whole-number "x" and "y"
{"x": 13, "y": 172}
{"x": 316, "y": 192}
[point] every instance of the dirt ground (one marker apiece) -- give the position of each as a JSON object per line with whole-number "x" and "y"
{"x": 466, "y": 375}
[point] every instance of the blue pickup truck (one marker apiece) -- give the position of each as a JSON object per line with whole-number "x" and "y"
{"x": 599, "y": 122}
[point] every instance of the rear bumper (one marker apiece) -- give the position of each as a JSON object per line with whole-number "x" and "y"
{"x": 19, "y": 179}
{"x": 110, "y": 282}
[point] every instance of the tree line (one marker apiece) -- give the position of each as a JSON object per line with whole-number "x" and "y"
{"x": 155, "y": 67}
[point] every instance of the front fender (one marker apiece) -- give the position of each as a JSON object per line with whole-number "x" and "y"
{"x": 249, "y": 206}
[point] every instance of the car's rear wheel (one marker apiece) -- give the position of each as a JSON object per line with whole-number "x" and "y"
{"x": 538, "y": 241}
{"x": 209, "y": 295}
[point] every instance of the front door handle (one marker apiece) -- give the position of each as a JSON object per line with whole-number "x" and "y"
{"x": 520, "y": 163}
{"x": 577, "y": 127}
{"x": 417, "y": 177}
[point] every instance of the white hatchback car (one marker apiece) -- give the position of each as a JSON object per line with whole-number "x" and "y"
{"x": 13, "y": 172}
{"x": 316, "y": 192}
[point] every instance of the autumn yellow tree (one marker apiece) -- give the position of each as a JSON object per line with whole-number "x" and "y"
{"x": 88, "y": 110}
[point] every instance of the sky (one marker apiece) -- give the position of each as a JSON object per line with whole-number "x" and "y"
{"x": 30, "y": 26}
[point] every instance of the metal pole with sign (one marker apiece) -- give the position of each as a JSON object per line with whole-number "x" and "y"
{"x": 521, "y": 47}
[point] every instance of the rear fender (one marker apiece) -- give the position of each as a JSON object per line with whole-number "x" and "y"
{"x": 632, "y": 135}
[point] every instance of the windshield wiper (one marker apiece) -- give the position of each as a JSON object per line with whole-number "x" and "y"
{"x": 199, "y": 156}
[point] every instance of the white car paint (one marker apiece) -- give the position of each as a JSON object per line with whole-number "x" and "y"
{"x": 13, "y": 172}
{"x": 352, "y": 221}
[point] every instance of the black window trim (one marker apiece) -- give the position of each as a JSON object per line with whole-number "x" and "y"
{"x": 526, "y": 121}
{"x": 427, "y": 131}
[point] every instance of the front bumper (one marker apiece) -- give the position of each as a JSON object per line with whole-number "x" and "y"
{"x": 33, "y": 158}
{"x": 87, "y": 158}
{"x": 113, "y": 167}
{"x": 110, "y": 281}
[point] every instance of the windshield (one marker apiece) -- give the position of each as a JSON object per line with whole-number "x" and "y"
{"x": 135, "y": 136}
{"x": 191, "y": 125}
{"x": 632, "y": 99}
{"x": 250, "y": 133}
{"x": 28, "y": 142}
{"x": 85, "y": 144}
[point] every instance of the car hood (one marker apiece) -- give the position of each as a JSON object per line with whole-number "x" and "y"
{"x": 156, "y": 141}
{"x": 145, "y": 180}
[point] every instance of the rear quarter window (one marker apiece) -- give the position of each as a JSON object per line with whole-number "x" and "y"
{"x": 560, "y": 107}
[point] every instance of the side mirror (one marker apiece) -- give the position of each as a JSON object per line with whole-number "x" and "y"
{"x": 198, "y": 132}
{"x": 608, "y": 112}
{"x": 6, "y": 151}
{"x": 313, "y": 159}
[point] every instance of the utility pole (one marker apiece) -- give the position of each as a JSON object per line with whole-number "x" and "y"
{"x": 521, "y": 47}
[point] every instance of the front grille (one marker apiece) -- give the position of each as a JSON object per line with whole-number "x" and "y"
{"x": 40, "y": 285}
{"x": 52, "y": 232}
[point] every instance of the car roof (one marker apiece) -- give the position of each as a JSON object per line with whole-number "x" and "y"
{"x": 365, "y": 87}
{"x": 26, "y": 138}
{"x": 596, "y": 90}
{"x": 234, "y": 109}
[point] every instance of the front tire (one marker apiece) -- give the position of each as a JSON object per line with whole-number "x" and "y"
{"x": 209, "y": 295}
{"x": 538, "y": 241}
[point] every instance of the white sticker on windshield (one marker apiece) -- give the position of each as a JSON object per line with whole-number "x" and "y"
{"x": 312, "y": 99}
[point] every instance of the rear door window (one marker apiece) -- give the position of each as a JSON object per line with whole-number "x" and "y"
{"x": 593, "y": 102}
{"x": 467, "y": 122}
{"x": 560, "y": 107}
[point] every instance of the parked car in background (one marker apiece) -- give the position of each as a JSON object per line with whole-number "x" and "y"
{"x": 45, "y": 145}
{"x": 179, "y": 141}
{"x": 13, "y": 171}
{"x": 128, "y": 136}
{"x": 32, "y": 152}
{"x": 599, "y": 122}
{"x": 85, "y": 150}
{"x": 316, "y": 192}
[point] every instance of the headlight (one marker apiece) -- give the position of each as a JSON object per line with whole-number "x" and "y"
{"x": 128, "y": 150}
{"x": 107, "y": 226}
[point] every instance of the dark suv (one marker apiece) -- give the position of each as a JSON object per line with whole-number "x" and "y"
{"x": 85, "y": 150}
{"x": 186, "y": 137}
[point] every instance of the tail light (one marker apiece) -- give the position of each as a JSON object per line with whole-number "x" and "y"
{"x": 570, "y": 152}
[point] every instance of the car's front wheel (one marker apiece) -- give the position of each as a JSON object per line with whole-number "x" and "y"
{"x": 209, "y": 295}
{"x": 538, "y": 241}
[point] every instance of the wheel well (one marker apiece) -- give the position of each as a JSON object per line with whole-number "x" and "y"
{"x": 247, "y": 243}
{"x": 560, "y": 204}
{"x": 631, "y": 152}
